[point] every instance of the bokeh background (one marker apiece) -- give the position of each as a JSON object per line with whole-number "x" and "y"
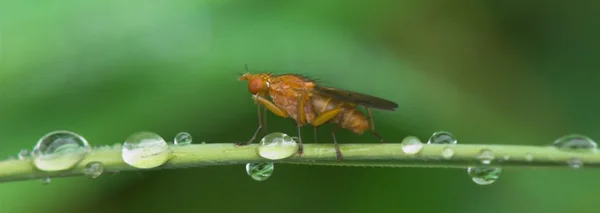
{"x": 491, "y": 72}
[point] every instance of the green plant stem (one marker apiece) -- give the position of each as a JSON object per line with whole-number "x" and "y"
{"x": 389, "y": 154}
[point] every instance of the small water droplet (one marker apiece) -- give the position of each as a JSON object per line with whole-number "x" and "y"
{"x": 575, "y": 163}
{"x": 183, "y": 138}
{"x": 24, "y": 153}
{"x": 46, "y": 180}
{"x": 277, "y": 145}
{"x": 506, "y": 157}
{"x": 485, "y": 156}
{"x": 411, "y": 145}
{"x": 59, "y": 150}
{"x": 484, "y": 176}
{"x": 575, "y": 143}
{"x": 260, "y": 171}
{"x": 93, "y": 169}
{"x": 442, "y": 137}
{"x": 145, "y": 150}
{"x": 529, "y": 157}
{"x": 447, "y": 152}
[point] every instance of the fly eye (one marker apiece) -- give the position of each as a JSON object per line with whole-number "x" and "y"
{"x": 255, "y": 85}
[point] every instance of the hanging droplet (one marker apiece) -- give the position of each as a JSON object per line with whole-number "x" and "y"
{"x": 46, "y": 180}
{"x": 575, "y": 163}
{"x": 145, "y": 150}
{"x": 442, "y": 137}
{"x": 24, "y": 153}
{"x": 183, "y": 138}
{"x": 277, "y": 146}
{"x": 447, "y": 152}
{"x": 485, "y": 156}
{"x": 260, "y": 171}
{"x": 484, "y": 176}
{"x": 411, "y": 145}
{"x": 59, "y": 150}
{"x": 575, "y": 143}
{"x": 93, "y": 169}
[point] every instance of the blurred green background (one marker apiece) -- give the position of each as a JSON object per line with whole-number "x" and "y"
{"x": 502, "y": 72}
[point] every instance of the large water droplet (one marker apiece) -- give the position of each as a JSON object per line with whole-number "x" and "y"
{"x": 93, "y": 169}
{"x": 447, "y": 152}
{"x": 485, "y": 156}
{"x": 260, "y": 171}
{"x": 277, "y": 146}
{"x": 145, "y": 150}
{"x": 442, "y": 137}
{"x": 411, "y": 145}
{"x": 575, "y": 143}
{"x": 24, "y": 153}
{"x": 59, "y": 150}
{"x": 484, "y": 176}
{"x": 183, "y": 138}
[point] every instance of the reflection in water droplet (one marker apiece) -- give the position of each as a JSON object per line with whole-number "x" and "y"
{"x": 447, "y": 152}
{"x": 485, "y": 156}
{"x": 46, "y": 180}
{"x": 93, "y": 169}
{"x": 277, "y": 145}
{"x": 183, "y": 138}
{"x": 484, "y": 176}
{"x": 442, "y": 137}
{"x": 24, "y": 153}
{"x": 575, "y": 163}
{"x": 411, "y": 145}
{"x": 145, "y": 150}
{"x": 260, "y": 171}
{"x": 59, "y": 150}
{"x": 575, "y": 143}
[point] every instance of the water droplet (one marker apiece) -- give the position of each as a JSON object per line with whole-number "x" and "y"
{"x": 46, "y": 180}
{"x": 59, "y": 150}
{"x": 442, "y": 137}
{"x": 485, "y": 156}
{"x": 575, "y": 143}
{"x": 484, "y": 176}
{"x": 24, "y": 153}
{"x": 528, "y": 157}
{"x": 183, "y": 138}
{"x": 447, "y": 152}
{"x": 411, "y": 145}
{"x": 145, "y": 150}
{"x": 260, "y": 171}
{"x": 277, "y": 145}
{"x": 575, "y": 163}
{"x": 93, "y": 169}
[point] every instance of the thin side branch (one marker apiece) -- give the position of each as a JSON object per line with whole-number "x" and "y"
{"x": 390, "y": 155}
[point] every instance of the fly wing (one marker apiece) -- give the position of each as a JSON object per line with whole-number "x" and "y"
{"x": 356, "y": 98}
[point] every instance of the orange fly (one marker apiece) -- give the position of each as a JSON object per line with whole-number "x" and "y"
{"x": 306, "y": 102}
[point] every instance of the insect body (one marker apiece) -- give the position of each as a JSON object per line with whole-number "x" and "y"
{"x": 306, "y": 102}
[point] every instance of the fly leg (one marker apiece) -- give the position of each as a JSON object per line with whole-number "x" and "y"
{"x": 338, "y": 152}
{"x": 267, "y": 105}
{"x": 372, "y": 125}
{"x": 260, "y": 126}
{"x": 300, "y": 121}
{"x": 327, "y": 116}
